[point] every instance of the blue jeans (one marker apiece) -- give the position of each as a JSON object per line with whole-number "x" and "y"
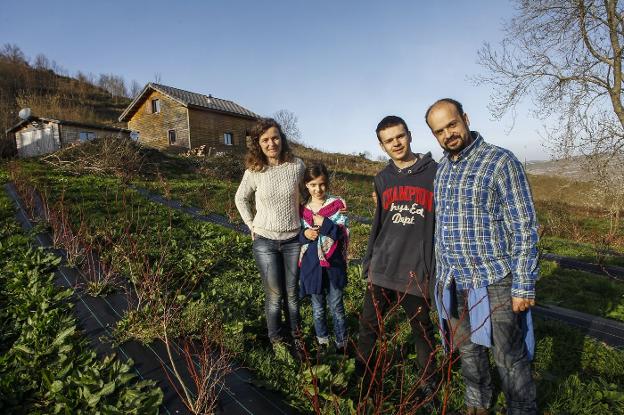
{"x": 508, "y": 350}
{"x": 277, "y": 263}
{"x": 333, "y": 296}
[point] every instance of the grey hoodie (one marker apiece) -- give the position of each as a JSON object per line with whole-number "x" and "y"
{"x": 400, "y": 247}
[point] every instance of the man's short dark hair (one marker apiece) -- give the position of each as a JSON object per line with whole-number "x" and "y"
{"x": 458, "y": 106}
{"x": 390, "y": 121}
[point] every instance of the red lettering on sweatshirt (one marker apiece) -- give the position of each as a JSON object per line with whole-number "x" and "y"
{"x": 415, "y": 194}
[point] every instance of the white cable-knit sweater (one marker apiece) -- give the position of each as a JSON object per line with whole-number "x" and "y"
{"x": 276, "y": 191}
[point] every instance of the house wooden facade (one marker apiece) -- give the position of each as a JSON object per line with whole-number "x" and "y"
{"x": 170, "y": 118}
{"x": 37, "y": 135}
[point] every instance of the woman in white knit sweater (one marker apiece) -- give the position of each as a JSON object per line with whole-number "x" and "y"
{"x": 273, "y": 178}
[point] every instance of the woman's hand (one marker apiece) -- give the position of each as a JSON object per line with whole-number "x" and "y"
{"x": 311, "y": 234}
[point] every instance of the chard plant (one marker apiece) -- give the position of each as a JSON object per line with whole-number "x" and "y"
{"x": 46, "y": 366}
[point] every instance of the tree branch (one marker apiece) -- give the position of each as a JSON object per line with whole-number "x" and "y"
{"x": 585, "y": 34}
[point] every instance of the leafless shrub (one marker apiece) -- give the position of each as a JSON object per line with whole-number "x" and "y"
{"x": 149, "y": 277}
{"x": 199, "y": 380}
{"x": 111, "y": 155}
{"x": 228, "y": 166}
{"x": 391, "y": 387}
{"x": 99, "y": 275}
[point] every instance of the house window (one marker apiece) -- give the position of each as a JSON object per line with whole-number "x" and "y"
{"x": 172, "y": 137}
{"x": 227, "y": 139}
{"x": 86, "y": 136}
{"x": 155, "y": 106}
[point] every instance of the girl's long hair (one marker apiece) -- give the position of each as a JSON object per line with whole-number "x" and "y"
{"x": 255, "y": 160}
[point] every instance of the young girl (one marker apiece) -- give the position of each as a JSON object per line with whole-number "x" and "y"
{"x": 323, "y": 260}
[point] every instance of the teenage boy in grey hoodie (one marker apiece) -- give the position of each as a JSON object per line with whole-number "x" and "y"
{"x": 399, "y": 259}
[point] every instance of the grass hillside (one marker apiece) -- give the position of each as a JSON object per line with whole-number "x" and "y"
{"x": 344, "y": 163}
{"x": 43, "y": 87}
{"x": 52, "y": 95}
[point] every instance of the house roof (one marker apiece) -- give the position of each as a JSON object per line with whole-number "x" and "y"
{"x": 65, "y": 122}
{"x": 188, "y": 99}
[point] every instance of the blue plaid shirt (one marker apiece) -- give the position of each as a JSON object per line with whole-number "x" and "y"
{"x": 486, "y": 225}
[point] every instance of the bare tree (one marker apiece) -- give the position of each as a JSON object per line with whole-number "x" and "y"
{"x": 120, "y": 86}
{"x": 104, "y": 82}
{"x": 157, "y": 77}
{"x": 567, "y": 57}
{"x": 288, "y": 120}
{"x": 41, "y": 62}
{"x": 80, "y": 76}
{"x": 13, "y": 53}
{"x": 58, "y": 68}
{"x": 135, "y": 88}
{"x": 115, "y": 85}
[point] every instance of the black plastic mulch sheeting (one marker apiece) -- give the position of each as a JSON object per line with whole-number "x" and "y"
{"x": 98, "y": 315}
{"x": 609, "y": 331}
{"x": 612, "y": 271}
{"x": 193, "y": 211}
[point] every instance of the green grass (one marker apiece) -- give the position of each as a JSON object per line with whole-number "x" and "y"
{"x": 587, "y": 225}
{"x": 581, "y": 291}
{"x": 357, "y": 190}
{"x": 581, "y": 251}
{"x": 574, "y": 231}
{"x": 100, "y": 198}
{"x": 209, "y": 194}
{"x": 574, "y": 374}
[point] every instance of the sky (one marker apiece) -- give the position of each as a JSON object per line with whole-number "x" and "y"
{"x": 340, "y": 66}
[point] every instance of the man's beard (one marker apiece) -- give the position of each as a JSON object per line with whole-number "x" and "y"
{"x": 456, "y": 149}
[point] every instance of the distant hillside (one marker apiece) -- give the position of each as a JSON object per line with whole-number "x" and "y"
{"x": 37, "y": 85}
{"x": 571, "y": 168}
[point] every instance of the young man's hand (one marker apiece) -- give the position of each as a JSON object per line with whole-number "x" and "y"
{"x": 521, "y": 304}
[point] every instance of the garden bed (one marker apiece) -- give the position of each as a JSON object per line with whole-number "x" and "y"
{"x": 46, "y": 365}
{"x": 211, "y": 270}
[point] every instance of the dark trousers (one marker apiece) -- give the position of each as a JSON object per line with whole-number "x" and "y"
{"x": 508, "y": 349}
{"x": 379, "y": 299}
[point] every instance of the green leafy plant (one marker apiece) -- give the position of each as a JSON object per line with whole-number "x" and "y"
{"x": 214, "y": 270}
{"x": 45, "y": 366}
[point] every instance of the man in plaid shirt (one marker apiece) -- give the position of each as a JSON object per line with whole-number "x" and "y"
{"x": 486, "y": 260}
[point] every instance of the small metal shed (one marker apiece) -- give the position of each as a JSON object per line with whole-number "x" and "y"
{"x": 35, "y": 136}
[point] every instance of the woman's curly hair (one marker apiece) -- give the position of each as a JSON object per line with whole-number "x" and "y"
{"x": 255, "y": 159}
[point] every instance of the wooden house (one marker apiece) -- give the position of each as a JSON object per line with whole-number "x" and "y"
{"x": 35, "y": 136}
{"x": 170, "y": 118}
